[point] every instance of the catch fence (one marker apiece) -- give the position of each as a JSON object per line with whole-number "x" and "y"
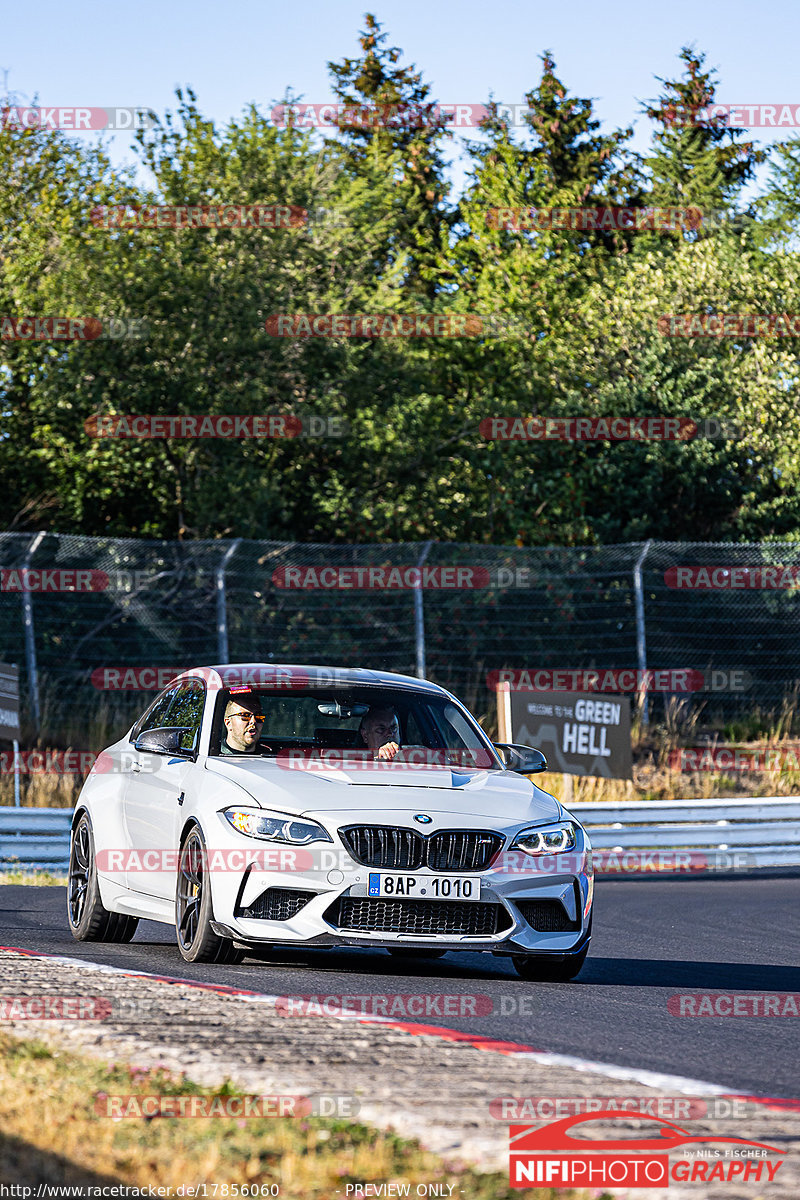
{"x": 96, "y": 625}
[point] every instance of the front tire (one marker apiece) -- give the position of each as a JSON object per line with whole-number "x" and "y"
{"x": 197, "y": 941}
{"x": 89, "y": 920}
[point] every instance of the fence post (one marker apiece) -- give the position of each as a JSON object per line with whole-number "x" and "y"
{"x": 30, "y": 636}
{"x": 641, "y": 645}
{"x": 419, "y": 615}
{"x": 17, "y": 801}
{"x": 222, "y": 611}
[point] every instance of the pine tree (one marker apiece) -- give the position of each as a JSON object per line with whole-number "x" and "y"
{"x": 568, "y": 163}
{"x": 575, "y": 161}
{"x": 696, "y": 160}
{"x": 389, "y": 126}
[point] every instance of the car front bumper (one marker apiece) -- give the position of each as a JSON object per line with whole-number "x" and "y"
{"x": 530, "y": 906}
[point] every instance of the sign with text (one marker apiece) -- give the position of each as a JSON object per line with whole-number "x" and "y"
{"x": 9, "y": 701}
{"x": 579, "y": 733}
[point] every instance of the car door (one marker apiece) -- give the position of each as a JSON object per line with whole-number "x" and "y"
{"x": 125, "y": 765}
{"x": 154, "y": 796}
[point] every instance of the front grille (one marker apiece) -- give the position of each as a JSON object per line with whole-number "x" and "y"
{"x": 277, "y": 904}
{"x": 384, "y": 846}
{"x": 416, "y": 917}
{"x": 547, "y": 916}
{"x": 454, "y": 850}
{"x": 405, "y": 849}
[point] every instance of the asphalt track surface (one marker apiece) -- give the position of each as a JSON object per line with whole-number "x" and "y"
{"x": 651, "y": 940}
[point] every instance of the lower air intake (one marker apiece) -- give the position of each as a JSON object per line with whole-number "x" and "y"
{"x": 415, "y": 917}
{"x": 547, "y": 916}
{"x": 277, "y": 904}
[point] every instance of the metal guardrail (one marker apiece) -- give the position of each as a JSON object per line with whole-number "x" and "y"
{"x": 762, "y": 833}
{"x": 34, "y": 837}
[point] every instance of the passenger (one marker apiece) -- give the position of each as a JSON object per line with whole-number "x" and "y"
{"x": 380, "y": 731}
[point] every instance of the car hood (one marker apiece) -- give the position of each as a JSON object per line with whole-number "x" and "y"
{"x": 433, "y": 789}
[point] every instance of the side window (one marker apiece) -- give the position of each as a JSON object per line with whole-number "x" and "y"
{"x": 155, "y": 717}
{"x": 188, "y": 710}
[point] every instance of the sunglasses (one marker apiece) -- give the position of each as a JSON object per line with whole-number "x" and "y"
{"x": 248, "y": 717}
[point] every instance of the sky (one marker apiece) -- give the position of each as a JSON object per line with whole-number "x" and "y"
{"x": 105, "y": 54}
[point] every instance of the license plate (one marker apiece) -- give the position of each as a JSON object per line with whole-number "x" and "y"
{"x": 423, "y": 887}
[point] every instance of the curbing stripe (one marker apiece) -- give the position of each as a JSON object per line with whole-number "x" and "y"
{"x": 654, "y": 1079}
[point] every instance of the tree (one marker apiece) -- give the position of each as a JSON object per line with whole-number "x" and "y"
{"x": 389, "y": 128}
{"x": 696, "y": 160}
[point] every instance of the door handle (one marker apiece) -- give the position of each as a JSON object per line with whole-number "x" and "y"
{"x": 136, "y": 767}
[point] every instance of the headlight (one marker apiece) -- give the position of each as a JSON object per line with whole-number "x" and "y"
{"x": 547, "y": 839}
{"x": 275, "y": 829}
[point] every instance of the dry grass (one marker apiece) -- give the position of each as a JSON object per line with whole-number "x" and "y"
{"x": 42, "y": 790}
{"x": 654, "y": 779}
{"x": 33, "y": 878}
{"x": 49, "y": 1133}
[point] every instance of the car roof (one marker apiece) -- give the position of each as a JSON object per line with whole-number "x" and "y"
{"x": 316, "y": 674}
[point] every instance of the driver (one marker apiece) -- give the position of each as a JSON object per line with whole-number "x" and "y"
{"x": 243, "y": 725}
{"x": 380, "y": 731}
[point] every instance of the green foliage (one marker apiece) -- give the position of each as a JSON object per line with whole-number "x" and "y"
{"x": 696, "y": 159}
{"x": 585, "y": 340}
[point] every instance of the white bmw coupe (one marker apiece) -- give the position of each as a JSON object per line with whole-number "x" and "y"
{"x": 323, "y": 806}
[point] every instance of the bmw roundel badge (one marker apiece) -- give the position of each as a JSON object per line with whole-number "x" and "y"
{"x": 423, "y": 818}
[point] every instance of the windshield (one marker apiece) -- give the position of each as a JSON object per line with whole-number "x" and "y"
{"x": 352, "y": 724}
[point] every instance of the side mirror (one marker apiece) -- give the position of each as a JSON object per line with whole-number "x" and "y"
{"x": 522, "y": 759}
{"x": 165, "y": 741}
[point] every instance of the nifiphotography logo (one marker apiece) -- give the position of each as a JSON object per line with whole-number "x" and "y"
{"x": 550, "y": 1156}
